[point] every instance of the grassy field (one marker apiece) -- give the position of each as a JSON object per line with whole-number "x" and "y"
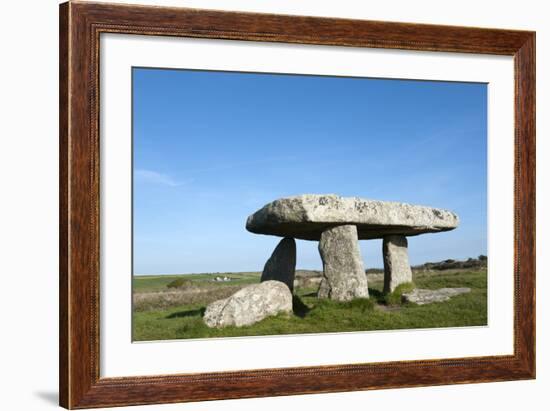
{"x": 152, "y": 283}
{"x": 162, "y": 313}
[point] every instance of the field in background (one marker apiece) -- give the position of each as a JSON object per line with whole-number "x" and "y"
{"x": 162, "y": 312}
{"x": 151, "y": 283}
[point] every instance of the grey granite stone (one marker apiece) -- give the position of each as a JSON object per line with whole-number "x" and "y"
{"x": 344, "y": 276}
{"x": 420, "y": 296}
{"x": 281, "y": 266}
{"x": 397, "y": 269}
{"x": 307, "y": 216}
{"x": 249, "y": 305}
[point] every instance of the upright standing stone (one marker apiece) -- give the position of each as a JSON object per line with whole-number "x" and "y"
{"x": 281, "y": 266}
{"x": 397, "y": 269}
{"x": 344, "y": 277}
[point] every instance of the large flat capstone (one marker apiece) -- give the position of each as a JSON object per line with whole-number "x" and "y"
{"x": 307, "y": 216}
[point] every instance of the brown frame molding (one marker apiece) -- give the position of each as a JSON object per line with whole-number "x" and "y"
{"x": 80, "y": 27}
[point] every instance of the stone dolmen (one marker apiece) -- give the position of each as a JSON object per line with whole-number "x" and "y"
{"x": 338, "y": 223}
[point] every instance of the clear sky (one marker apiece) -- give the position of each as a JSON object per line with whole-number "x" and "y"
{"x": 210, "y": 148}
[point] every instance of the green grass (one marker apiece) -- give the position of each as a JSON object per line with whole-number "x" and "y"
{"x": 150, "y": 283}
{"x": 394, "y": 298}
{"x": 311, "y": 315}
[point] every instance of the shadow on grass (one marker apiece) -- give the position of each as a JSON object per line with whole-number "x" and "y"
{"x": 377, "y": 295}
{"x": 299, "y": 308}
{"x": 188, "y": 313}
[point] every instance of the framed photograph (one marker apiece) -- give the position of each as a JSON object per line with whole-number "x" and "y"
{"x": 259, "y": 205}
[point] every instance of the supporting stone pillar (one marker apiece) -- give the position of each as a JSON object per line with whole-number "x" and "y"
{"x": 281, "y": 266}
{"x": 397, "y": 269}
{"x": 344, "y": 277}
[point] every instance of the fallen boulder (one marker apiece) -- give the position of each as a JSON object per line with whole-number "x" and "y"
{"x": 421, "y": 296}
{"x": 249, "y": 305}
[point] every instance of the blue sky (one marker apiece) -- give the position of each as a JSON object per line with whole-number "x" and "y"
{"x": 210, "y": 148}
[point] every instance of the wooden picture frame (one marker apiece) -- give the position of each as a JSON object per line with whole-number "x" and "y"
{"x": 80, "y": 27}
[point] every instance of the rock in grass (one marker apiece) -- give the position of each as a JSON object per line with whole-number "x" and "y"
{"x": 308, "y": 215}
{"x": 281, "y": 266}
{"x": 249, "y": 305}
{"x": 344, "y": 276}
{"x": 422, "y": 296}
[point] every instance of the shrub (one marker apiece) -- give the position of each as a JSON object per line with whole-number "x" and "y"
{"x": 179, "y": 283}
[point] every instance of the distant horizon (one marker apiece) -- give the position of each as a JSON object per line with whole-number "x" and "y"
{"x": 210, "y": 148}
{"x": 297, "y": 268}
